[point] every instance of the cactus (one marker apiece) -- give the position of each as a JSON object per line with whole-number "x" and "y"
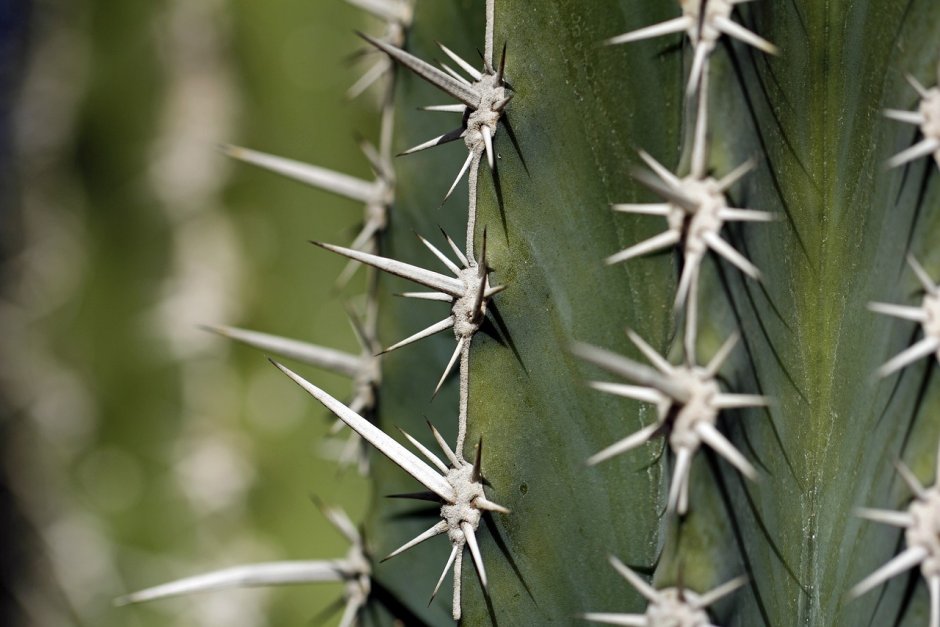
{"x": 771, "y": 522}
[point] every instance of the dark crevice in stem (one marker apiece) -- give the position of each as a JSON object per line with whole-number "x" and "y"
{"x": 395, "y": 606}
{"x": 489, "y": 329}
{"x": 764, "y": 530}
{"x": 511, "y": 134}
{"x": 649, "y": 571}
{"x": 919, "y": 205}
{"x": 884, "y": 590}
{"x": 490, "y": 609}
{"x": 417, "y": 496}
{"x": 800, "y": 18}
{"x": 768, "y": 101}
{"x": 918, "y": 406}
{"x": 741, "y": 243}
{"x": 763, "y": 329}
{"x": 415, "y": 512}
{"x": 772, "y": 347}
{"x": 780, "y": 94}
{"x": 372, "y": 611}
{"x": 500, "y": 201}
{"x": 507, "y": 554}
{"x": 894, "y": 391}
{"x": 748, "y": 349}
{"x": 762, "y": 140}
{"x": 732, "y": 512}
{"x": 672, "y": 48}
{"x": 499, "y": 324}
{"x": 905, "y": 172}
{"x": 907, "y": 167}
{"x": 750, "y": 447}
{"x": 912, "y": 578}
{"x": 752, "y": 56}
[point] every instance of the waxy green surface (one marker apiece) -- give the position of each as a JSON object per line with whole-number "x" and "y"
{"x": 812, "y": 119}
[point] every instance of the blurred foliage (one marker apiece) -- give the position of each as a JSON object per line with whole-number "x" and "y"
{"x": 143, "y": 448}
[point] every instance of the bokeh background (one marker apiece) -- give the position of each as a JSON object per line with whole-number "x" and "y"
{"x": 136, "y": 447}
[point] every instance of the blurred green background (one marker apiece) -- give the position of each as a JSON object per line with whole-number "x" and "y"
{"x": 136, "y": 447}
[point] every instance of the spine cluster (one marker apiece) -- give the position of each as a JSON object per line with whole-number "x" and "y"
{"x": 687, "y": 396}
{"x": 921, "y": 520}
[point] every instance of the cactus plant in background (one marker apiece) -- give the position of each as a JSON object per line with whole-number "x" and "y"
{"x": 812, "y": 410}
